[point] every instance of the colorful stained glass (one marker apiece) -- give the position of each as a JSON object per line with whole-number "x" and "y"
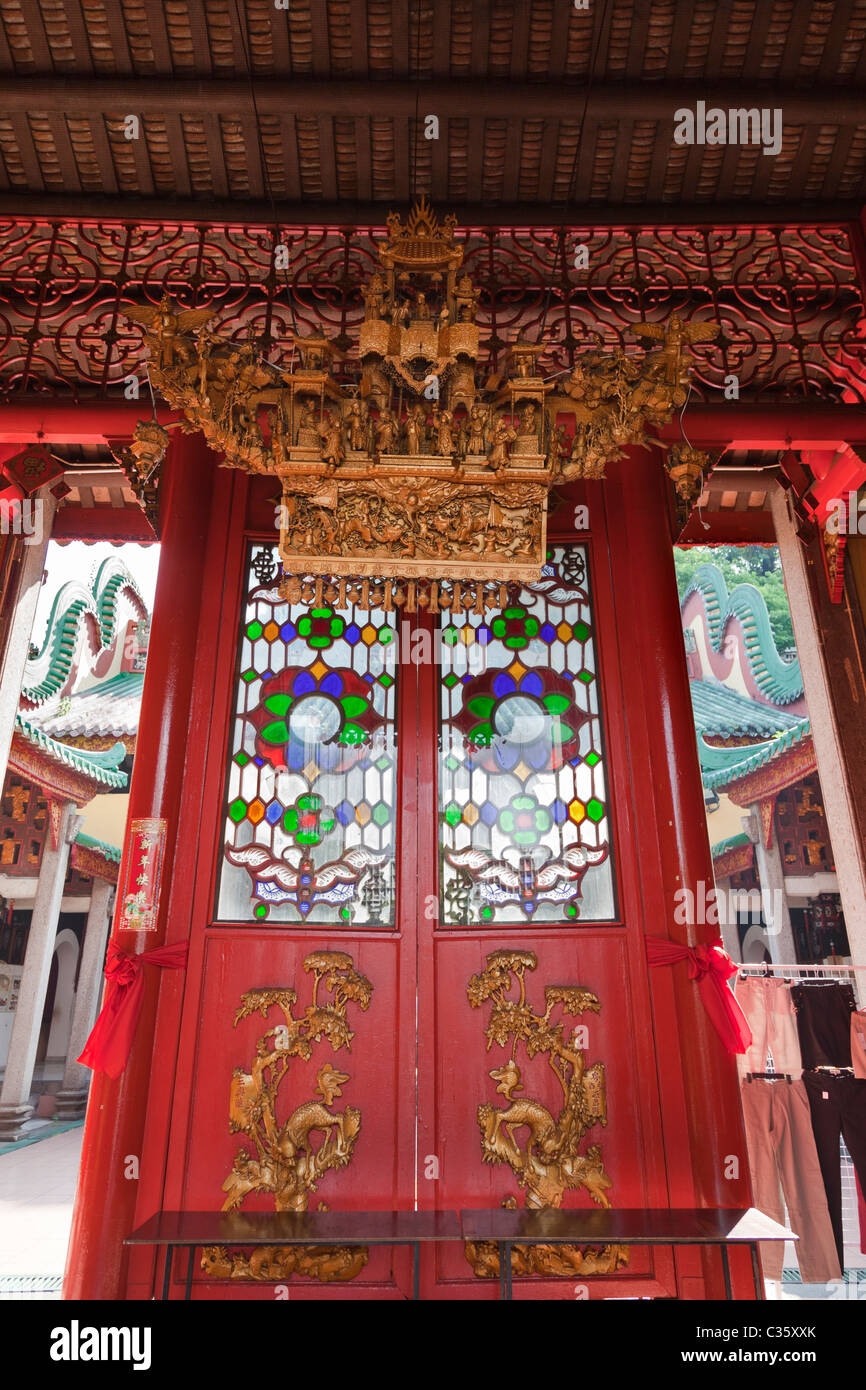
{"x": 310, "y": 823}
{"x": 524, "y": 829}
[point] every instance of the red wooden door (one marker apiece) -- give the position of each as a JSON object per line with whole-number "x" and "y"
{"x": 538, "y": 976}
{"x": 417, "y": 974}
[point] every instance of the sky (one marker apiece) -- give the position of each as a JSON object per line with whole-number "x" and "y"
{"x": 79, "y": 561}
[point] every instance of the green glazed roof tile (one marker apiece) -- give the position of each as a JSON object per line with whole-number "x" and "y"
{"x": 721, "y": 766}
{"x": 779, "y": 681}
{"x": 101, "y": 767}
{"x": 111, "y": 852}
{"x": 52, "y": 663}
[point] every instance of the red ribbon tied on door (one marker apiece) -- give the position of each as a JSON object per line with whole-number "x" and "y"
{"x": 110, "y": 1043}
{"x": 711, "y": 967}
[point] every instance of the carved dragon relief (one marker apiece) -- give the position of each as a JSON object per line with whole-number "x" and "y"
{"x": 542, "y": 1150}
{"x": 284, "y": 1160}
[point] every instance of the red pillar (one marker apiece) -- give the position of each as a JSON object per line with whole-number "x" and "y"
{"x": 641, "y": 545}
{"x": 105, "y": 1200}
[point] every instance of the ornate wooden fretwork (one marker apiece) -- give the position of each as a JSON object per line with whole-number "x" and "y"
{"x": 415, "y": 471}
{"x": 63, "y": 333}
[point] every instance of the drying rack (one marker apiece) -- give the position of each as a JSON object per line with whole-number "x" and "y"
{"x": 848, "y": 973}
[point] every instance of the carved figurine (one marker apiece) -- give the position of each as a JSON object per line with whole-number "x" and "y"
{"x": 357, "y": 426}
{"x": 416, "y": 429}
{"x": 307, "y": 423}
{"x": 374, "y": 297}
{"x": 466, "y": 299}
{"x": 667, "y": 362}
{"x": 476, "y": 442}
{"x": 529, "y": 420}
{"x": 443, "y": 424}
{"x": 278, "y": 437}
{"x": 502, "y": 436}
{"x": 330, "y": 433}
{"x": 558, "y": 447}
{"x": 386, "y": 432}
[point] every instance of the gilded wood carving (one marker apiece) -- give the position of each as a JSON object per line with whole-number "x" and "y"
{"x": 410, "y": 469}
{"x": 543, "y": 1150}
{"x": 289, "y": 1158}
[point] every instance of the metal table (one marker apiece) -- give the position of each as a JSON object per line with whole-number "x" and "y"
{"x": 194, "y": 1229}
{"x": 631, "y": 1226}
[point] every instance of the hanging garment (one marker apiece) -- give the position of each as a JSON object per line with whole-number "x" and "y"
{"x": 784, "y": 1162}
{"x": 769, "y": 1009}
{"x": 824, "y": 1023}
{"x": 858, "y": 1044}
{"x": 861, "y": 1213}
{"x": 838, "y": 1105}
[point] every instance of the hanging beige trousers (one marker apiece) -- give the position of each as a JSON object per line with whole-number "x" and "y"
{"x": 784, "y": 1163}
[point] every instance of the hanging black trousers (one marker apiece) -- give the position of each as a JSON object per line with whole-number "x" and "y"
{"x": 824, "y": 1023}
{"x": 838, "y": 1106}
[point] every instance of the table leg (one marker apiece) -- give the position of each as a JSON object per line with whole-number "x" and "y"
{"x": 416, "y": 1272}
{"x": 188, "y": 1290}
{"x": 166, "y": 1278}
{"x": 727, "y": 1269}
{"x": 756, "y": 1273}
{"x": 508, "y": 1294}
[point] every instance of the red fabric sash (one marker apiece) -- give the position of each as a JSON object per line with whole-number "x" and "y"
{"x": 712, "y": 967}
{"x": 109, "y": 1045}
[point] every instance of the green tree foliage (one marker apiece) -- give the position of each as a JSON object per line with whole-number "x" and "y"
{"x": 743, "y": 564}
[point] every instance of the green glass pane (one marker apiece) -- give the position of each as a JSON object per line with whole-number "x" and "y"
{"x": 555, "y": 703}
{"x": 594, "y": 809}
{"x": 581, "y": 631}
{"x": 481, "y": 705}
{"x": 254, "y": 630}
{"x": 587, "y": 677}
{"x": 352, "y": 734}
{"x": 278, "y": 704}
{"x": 591, "y": 759}
{"x": 275, "y": 732}
{"x": 453, "y": 814}
{"x": 353, "y": 705}
{"x": 237, "y": 810}
{"x": 241, "y": 759}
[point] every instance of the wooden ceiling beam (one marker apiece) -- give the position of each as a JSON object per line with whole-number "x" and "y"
{"x": 547, "y": 100}
{"x": 471, "y": 213}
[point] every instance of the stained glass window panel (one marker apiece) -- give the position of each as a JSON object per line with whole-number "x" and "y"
{"x": 523, "y": 802}
{"x": 310, "y": 803}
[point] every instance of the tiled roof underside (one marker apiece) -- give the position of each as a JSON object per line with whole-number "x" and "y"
{"x": 622, "y": 154}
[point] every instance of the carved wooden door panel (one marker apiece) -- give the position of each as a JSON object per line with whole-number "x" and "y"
{"x": 416, "y": 973}
{"x": 535, "y": 1034}
{"x": 296, "y": 1070}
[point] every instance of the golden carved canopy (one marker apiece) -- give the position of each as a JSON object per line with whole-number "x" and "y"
{"x": 413, "y": 473}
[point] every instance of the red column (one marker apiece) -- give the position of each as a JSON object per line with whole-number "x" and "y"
{"x": 641, "y": 546}
{"x": 105, "y": 1200}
